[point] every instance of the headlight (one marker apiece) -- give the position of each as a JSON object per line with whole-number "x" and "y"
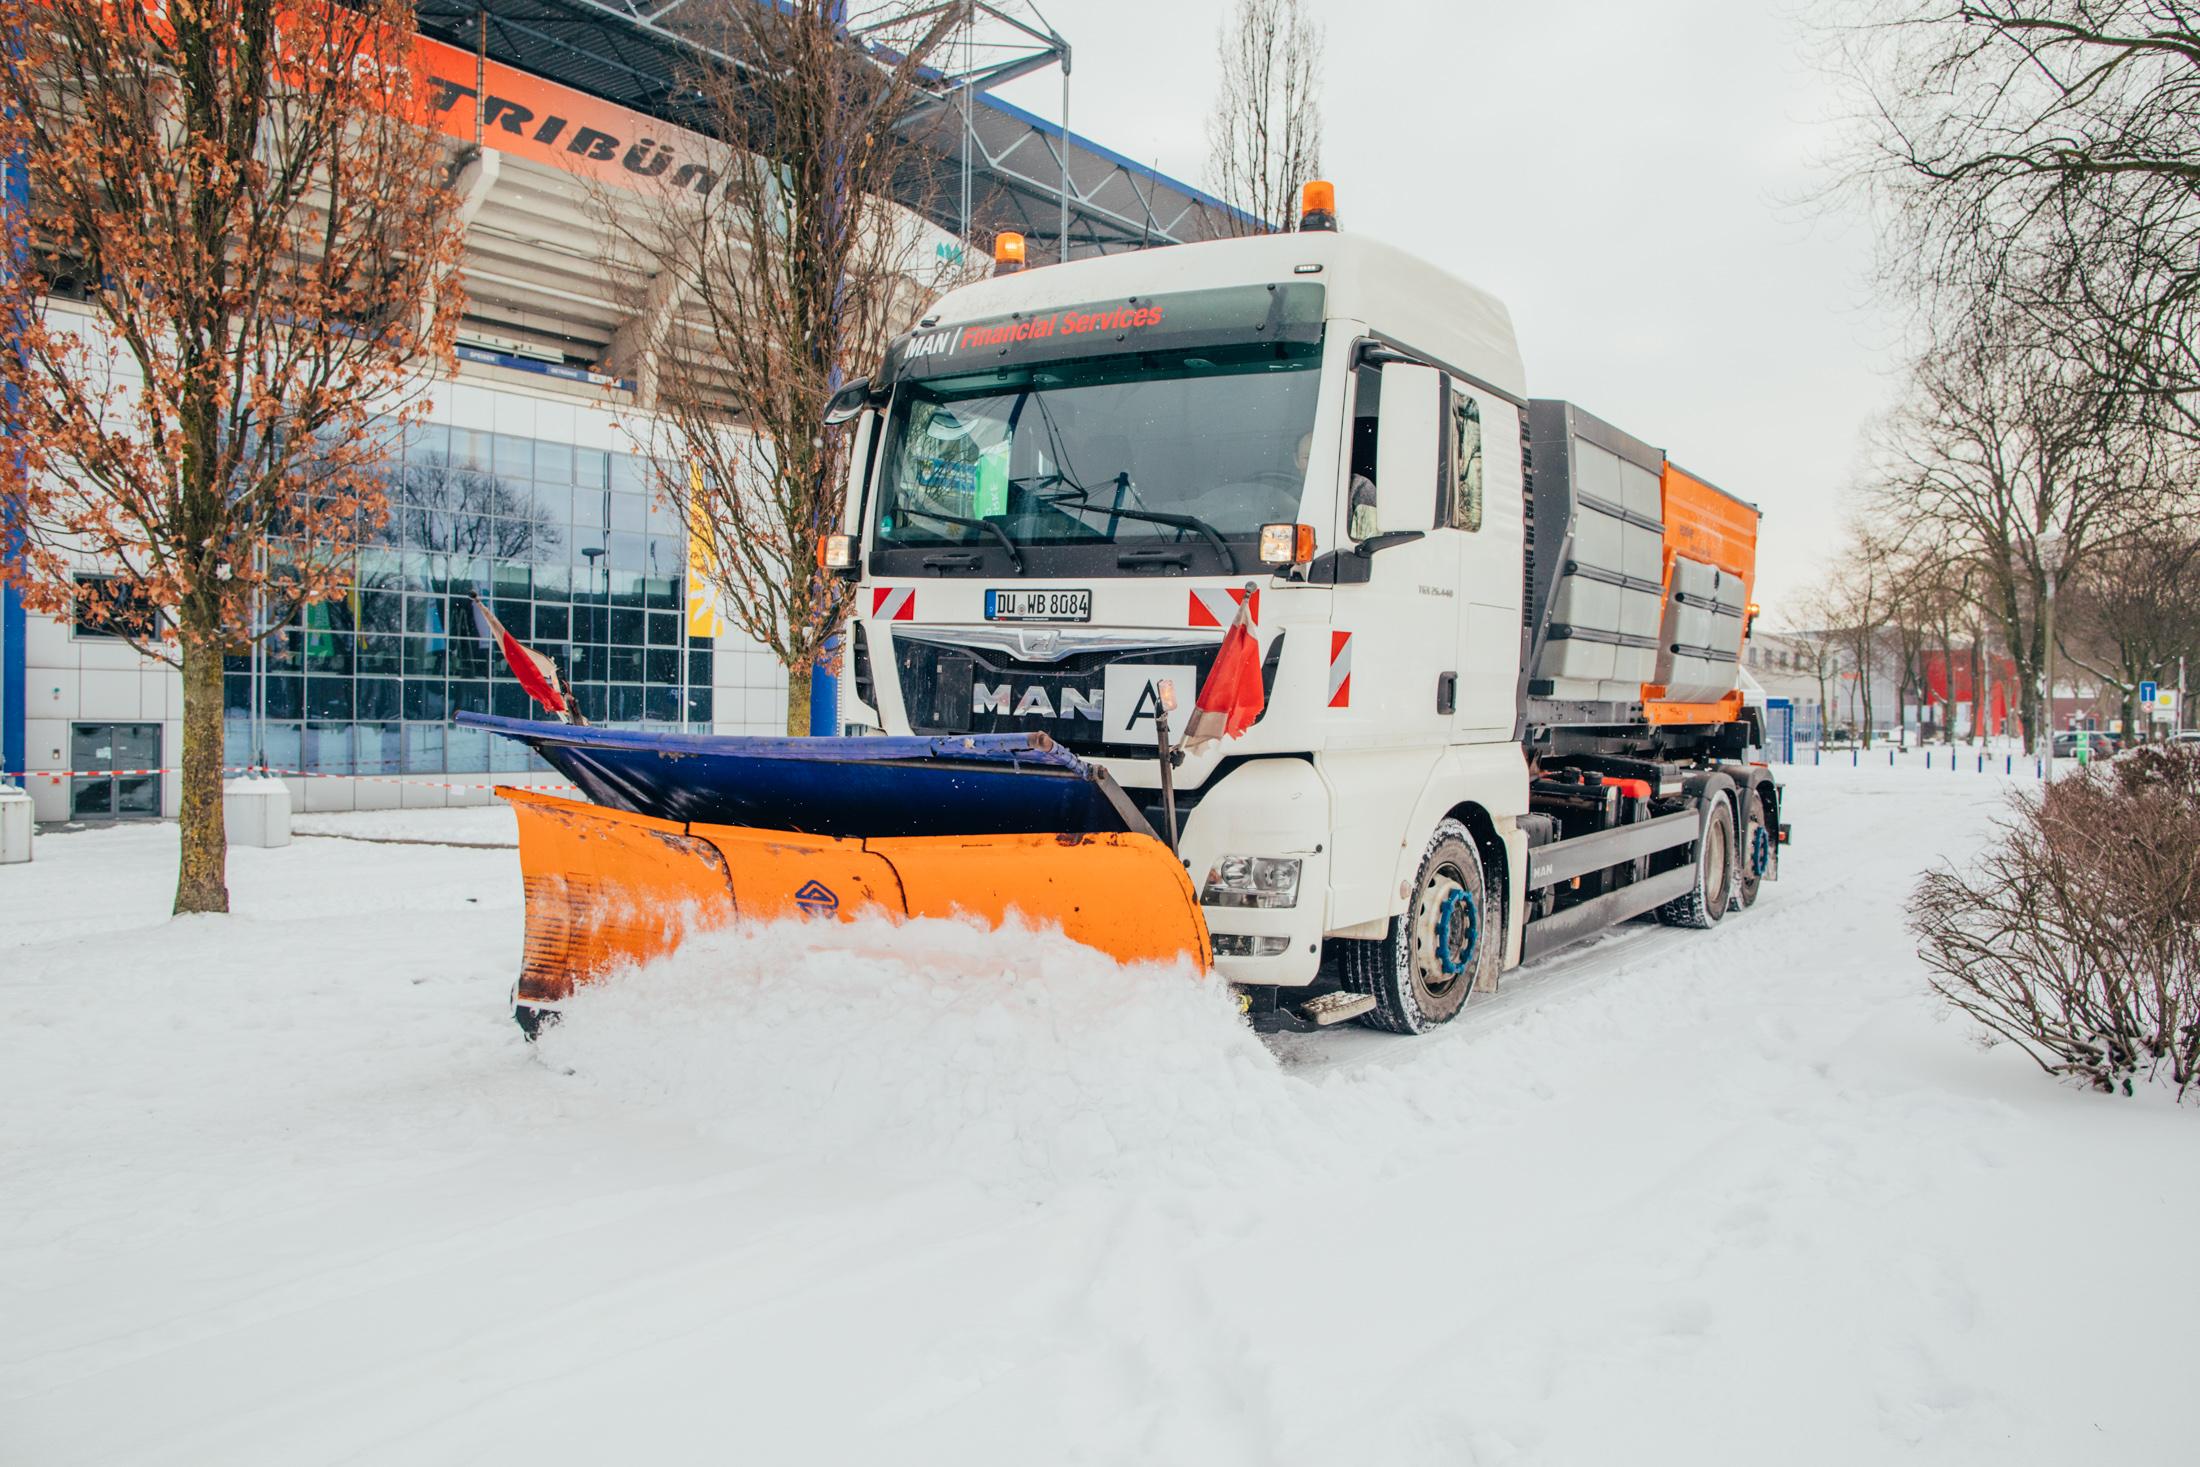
{"x": 1252, "y": 881}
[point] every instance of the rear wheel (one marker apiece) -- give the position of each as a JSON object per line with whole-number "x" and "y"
{"x": 1706, "y": 904}
{"x": 1449, "y": 941}
{"x": 1756, "y": 849}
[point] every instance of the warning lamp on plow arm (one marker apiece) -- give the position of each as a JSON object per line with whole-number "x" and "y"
{"x": 1008, "y": 252}
{"x": 1318, "y": 206}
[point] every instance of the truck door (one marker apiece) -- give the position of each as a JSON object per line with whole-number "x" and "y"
{"x": 1482, "y": 444}
{"x": 1399, "y": 630}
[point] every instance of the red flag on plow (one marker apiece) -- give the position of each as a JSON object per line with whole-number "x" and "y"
{"x": 536, "y": 673}
{"x": 1231, "y": 698}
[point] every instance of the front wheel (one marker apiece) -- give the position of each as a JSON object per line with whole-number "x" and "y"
{"x": 1448, "y": 943}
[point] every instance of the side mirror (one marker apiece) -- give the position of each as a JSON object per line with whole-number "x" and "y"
{"x": 847, "y": 402}
{"x": 1409, "y": 443}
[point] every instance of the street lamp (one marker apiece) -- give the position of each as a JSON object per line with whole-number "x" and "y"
{"x": 594, "y": 553}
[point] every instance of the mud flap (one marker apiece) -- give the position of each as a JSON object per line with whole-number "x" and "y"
{"x": 606, "y": 888}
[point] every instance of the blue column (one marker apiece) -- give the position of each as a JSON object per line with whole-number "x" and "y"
{"x": 825, "y": 693}
{"x": 15, "y": 193}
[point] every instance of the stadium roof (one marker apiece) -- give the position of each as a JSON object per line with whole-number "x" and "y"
{"x": 636, "y": 53}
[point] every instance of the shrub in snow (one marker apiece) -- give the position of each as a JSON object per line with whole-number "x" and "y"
{"x": 2077, "y": 934}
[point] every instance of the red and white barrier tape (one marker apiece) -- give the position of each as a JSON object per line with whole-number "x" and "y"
{"x": 55, "y": 776}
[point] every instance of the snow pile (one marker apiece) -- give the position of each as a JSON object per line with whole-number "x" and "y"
{"x": 931, "y": 1045}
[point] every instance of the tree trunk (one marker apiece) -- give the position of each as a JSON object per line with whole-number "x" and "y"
{"x": 202, "y": 875}
{"x": 798, "y": 700}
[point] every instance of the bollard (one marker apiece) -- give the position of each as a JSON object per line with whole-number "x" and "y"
{"x": 1928, "y": 758}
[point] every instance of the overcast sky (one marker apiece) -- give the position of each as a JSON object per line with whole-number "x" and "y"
{"x": 1623, "y": 174}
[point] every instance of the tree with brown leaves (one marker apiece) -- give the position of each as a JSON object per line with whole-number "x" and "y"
{"x": 245, "y": 200}
{"x": 793, "y": 276}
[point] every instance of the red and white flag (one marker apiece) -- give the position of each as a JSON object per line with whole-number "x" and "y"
{"x": 537, "y": 673}
{"x": 1231, "y": 698}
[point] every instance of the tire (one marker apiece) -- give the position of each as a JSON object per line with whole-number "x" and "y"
{"x": 1756, "y": 852}
{"x": 1449, "y": 942}
{"x": 1707, "y": 903}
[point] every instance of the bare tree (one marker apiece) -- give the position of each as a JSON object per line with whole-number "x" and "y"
{"x": 1855, "y": 608}
{"x": 1264, "y": 133}
{"x": 2018, "y": 464}
{"x": 794, "y": 269}
{"x": 2045, "y": 155}
{"x": 2134, "y": 610}
{"x": 245, "y": 197}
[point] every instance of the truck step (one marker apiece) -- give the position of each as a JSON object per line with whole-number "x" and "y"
{"x": 1319, "y": 1012}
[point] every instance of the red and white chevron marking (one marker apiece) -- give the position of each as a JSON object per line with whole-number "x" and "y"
{"x": 1340, "y": 669}
{"x": 894, "y": 603}
{"x": 1217, "y": 607}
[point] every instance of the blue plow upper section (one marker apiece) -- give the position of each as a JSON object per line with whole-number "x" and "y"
{"x": 977, "y": 784}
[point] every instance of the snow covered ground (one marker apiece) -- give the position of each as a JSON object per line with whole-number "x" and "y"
{"x": 287, "y": 1188}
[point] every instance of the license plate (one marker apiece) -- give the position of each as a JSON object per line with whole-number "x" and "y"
{"x": 1023, "y": 605}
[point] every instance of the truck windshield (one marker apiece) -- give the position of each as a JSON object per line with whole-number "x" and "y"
{"x": 1193, "y": 448}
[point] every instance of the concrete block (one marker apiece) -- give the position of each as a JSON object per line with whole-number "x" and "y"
{"x": 256, "y": 812}
{"x": 17, "y": 813}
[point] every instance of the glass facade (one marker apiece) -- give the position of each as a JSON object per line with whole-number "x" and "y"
{"x": 568, "y": 546}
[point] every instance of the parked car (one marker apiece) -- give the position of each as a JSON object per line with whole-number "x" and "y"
{"x": 2098, "y": 746}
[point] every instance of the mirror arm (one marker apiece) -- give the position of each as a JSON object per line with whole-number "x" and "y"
{"x": 1366, "y": 548}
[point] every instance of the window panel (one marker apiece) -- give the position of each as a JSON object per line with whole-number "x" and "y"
{"x": 626, "y": 703}
{"x": 698, "y": 707}
{"x": 661, "y": 705}
{"x": 667, "y": 592}
{"x": 285, "y": 694}
{"x": 377, "y": 748}
{"x": 509, "y": 700}
{"x": 664, "y": 666}
{"x": 378, "y": 698}
{"x": 426, "y": 701}
{"x": 381, "y": 654}
{"x": 664, "y": 629}
{"x": 328, "y": 748}
{"x": 329, "y": 697}
{"x": 591, "y": 468}
{"x": 626, "y": 664}
{"x": 553, "y": 463}
{"x": 553, "y": 621}
{"x": 472, "y": 697}
{"x": 423, "y": 748}
{"x": 466, "y": 750}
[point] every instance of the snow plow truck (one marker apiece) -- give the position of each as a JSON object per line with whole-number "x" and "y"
{"x": 1499, "y": 639}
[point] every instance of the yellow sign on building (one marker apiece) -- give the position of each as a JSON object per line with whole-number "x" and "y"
{"x": 704, "y": 619}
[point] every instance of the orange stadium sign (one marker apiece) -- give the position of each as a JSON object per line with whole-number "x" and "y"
{"x": 527, "y": 117}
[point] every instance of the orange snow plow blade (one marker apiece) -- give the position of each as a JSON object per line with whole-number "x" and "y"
{"x": 606, "y": 888}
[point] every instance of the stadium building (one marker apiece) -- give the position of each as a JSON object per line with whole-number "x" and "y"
{"x": 524, "y": 485}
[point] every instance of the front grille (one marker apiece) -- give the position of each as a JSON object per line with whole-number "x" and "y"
{"x": 1062, "y": 699}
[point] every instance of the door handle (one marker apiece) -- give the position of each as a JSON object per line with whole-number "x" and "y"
{"x": 1447, "y": 691}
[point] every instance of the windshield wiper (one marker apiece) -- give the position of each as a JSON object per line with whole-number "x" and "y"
{"x": 1082, "y": 494}
{"x": 1183, "y": 522}
{"x": 1015, "y": 558}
